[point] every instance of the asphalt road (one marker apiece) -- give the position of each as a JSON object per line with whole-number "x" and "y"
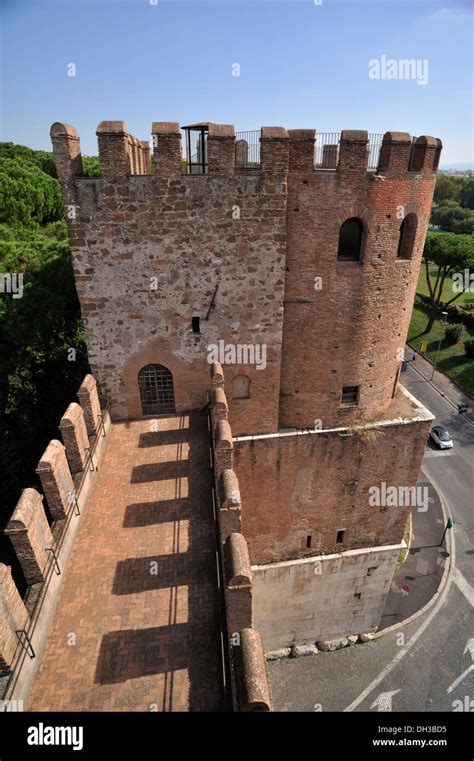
{"x": 427, "y": 665}
{"x": 451, "y": 470}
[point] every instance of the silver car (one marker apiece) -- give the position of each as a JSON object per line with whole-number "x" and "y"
{"x": 441, "y": 437}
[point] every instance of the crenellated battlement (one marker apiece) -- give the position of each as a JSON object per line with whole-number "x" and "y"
{"x": 236, "y": 238}
{"x": 122, "y": 155}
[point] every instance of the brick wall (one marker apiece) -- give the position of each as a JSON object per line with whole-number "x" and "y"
{"x": 56, "y": 479}
{"x": 348, "y": 332}
{"x": 30, "y": 535}
{"x": 313, "y": 484}
{"x": 13, "y": 617}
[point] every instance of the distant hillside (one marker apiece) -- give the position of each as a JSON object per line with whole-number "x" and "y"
{"x": 463, "y": 166}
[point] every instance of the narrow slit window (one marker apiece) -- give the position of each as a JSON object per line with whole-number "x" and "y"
{"x": 196, "y": 325}
{"x": 340, "y": 536}
{"x": 406, "y": 241}
{"x": 308, "y": 541}
{"x": 350, "y": 395}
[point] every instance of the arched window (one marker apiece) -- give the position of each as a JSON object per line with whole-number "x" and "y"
{"x": 156, "y": 390}
{"x": 350, "y": 240}
{"x": 406, "y": 241}
{"x": 241, "y": 387}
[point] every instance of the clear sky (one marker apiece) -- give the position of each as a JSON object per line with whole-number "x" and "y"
{"x": 302, "y": 64}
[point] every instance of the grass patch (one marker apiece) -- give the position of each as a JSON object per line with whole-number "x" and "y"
{"x": 448, "y": 293}
{"x": 452, "y": 361}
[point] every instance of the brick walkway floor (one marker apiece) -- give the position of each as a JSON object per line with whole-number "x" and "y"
{"x": 136, "y": 628}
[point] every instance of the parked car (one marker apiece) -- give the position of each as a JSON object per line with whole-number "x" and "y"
{"x": 441, "y": 437}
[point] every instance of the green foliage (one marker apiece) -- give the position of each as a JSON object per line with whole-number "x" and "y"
{"x": 466, "y": 196}
{"x": 453, "y": 218}
{"x": 455, "y": 251}
{"x": 450, "y": 253}
{"x": 452, "y": 360}
{"x": 91, "y": 166}
{"x": 453, "y": 333}
{"x": 38, "y": 330}
{"x": 448, "y": 187}
{"x": 469, "y": 348}
{"x": 27, "y": 194}
{"x": 42, "y": 159}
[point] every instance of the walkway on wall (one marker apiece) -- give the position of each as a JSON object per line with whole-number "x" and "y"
{"x": 136, "y": 627}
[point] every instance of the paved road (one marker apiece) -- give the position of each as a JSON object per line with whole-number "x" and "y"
{"x": 429, "y": 664}
{"x": 451, "y": 470}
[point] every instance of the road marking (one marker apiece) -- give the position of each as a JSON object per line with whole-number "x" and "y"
{"x": 463, "y": 586}
{"x": 438, "y": 452}
{"x": 460, "y": 678}
{"x": 384, "y": 701}
{"x": 404, "y": 650}
{"x": 468, "y": 649}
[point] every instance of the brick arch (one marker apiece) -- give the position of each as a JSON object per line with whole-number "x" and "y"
{"x": 355, "y": 210}
{"x": 190, "y": 379}
{"x": 416, "y": 208}
{"x": 413, "y": 207}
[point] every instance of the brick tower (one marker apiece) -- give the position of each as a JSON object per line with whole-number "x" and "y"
{"x": 314, "y": 270}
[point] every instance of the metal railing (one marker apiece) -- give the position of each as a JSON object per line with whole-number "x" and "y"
{"x": 412, "y": 152}
{"x": 374, "y": 146}
{"x": 228, "y": 682}
{"x": 247, "y": 149}
{"x": 326, "y": 150}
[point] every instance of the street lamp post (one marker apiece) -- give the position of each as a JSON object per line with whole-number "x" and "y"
{"x": 444, "y": 322}
{"x": 449, "y": 524}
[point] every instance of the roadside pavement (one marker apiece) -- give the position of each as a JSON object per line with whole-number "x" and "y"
{"x": 417, "y": 579}
{"x": 446, "y": 387}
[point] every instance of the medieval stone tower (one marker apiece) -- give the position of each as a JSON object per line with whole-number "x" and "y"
{"x": 314, "y": 270}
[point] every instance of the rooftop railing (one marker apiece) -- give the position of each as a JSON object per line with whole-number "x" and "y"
{"x": 326, "y": 150}
{"x": 247, "y": 149}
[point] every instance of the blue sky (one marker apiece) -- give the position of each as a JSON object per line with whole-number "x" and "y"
{"x": 301, "y": 65}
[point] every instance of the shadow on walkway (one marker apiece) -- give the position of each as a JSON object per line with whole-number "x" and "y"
{"x": 418, "y": 578}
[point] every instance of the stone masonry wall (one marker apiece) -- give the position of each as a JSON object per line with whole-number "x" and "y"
{"x": 148, "y": 254}
{"x": 318, "y": 598}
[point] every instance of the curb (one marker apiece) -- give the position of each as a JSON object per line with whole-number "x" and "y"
{"x": 447, "y": 570}
{"x": 436, "y": 388}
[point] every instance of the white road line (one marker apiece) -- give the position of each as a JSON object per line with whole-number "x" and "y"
{"x": 438, "y": 452}
{"x": 404, "y": 650}
{"x": 460, "y": 678}
{"x": 463, "y": 586}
